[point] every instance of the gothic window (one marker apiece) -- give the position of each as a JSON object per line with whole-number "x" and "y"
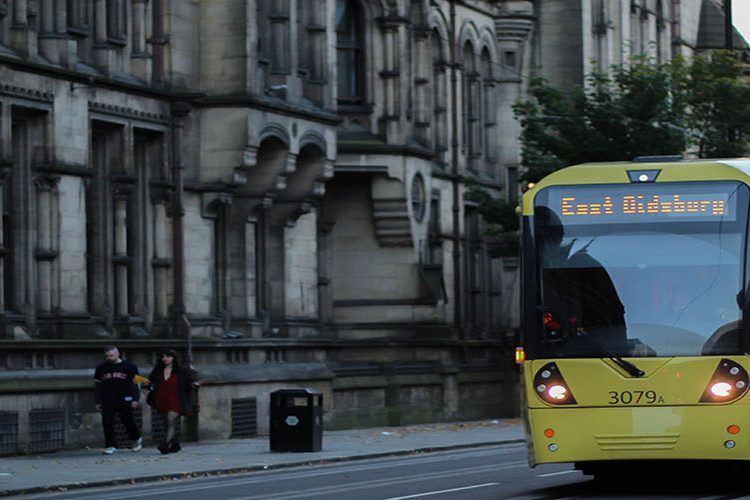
{"x": 116, "y": 21}
{"x": 476, "y": 292}
{"x": 438, "y": 95}
{"x": 469, "y": 106}
{"x": 148, "y": 228}
{"x": 488, "y": 114}
{"x": 644, "y": 33}
{"x": 311, "y": 17}
{"x": 350, "y": 51}
{"x": 434, "y": 232}
{"x": 635, "y": 27}
{"x": 221, "y": 259}
{"x": 3, "y": 15}
{"x": 106, "y": 215}
{"x": 78, "y": 16}
{"x": 280, "y": 36}
{"x": 29, "y": 150}
{"x": 662, "y": 34}
{"x": 420, "y": 68}
{"x": 512, "y": 186}
{"x": 600, "y": 25}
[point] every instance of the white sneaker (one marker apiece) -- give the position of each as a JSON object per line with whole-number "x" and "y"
{"x": 110, "y": 451}
{"x": 137, "y": 444}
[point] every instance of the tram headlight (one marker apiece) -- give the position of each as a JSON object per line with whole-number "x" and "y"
{"x": 558, "y": 392}
{"x": 721, "y": 389}
{"x": 550, "y": 386}
{"x": 728, "y": 383}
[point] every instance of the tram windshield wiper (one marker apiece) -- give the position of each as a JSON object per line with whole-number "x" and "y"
{"x": 622, "y": 363}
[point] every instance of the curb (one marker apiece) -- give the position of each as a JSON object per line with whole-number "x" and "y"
{"x": 61, "y": 488}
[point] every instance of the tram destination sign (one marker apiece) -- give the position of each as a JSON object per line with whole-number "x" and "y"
{"x": 652, "y": 203}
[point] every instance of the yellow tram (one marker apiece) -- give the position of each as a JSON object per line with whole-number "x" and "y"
{"x": 635, "y": 296}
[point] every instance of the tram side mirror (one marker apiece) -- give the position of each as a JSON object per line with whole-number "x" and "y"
{"x": 741, "y": 299}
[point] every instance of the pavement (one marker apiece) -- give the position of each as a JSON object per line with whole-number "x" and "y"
{"x": 75, "y": 469}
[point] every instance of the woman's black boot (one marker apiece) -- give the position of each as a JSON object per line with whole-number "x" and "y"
{"x": 174, "y": 447}
{"x": 163, "y": 448}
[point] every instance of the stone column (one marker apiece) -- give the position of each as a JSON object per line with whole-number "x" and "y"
{"x": 121, "y": 259}
{"x": 46, "y": 249}
{"x": 162, "y": 258}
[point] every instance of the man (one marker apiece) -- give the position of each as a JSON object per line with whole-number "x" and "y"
{"x": 116, "y": 392}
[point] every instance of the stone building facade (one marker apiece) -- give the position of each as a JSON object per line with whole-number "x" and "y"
{"x": 574, "y": 38}
{"x": 276, "y": 188}
{"x": 273, "y": 187}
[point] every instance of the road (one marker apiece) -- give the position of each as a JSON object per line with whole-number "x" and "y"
{"x": 498, "y": 472}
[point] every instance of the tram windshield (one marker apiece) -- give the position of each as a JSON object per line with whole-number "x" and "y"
{"x": 653, "y": 269}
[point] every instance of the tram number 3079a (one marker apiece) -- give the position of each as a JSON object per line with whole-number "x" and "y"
{"x": 634, "y": 397}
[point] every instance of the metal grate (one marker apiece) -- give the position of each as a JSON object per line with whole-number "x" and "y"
{"x": 8, "y": 433}
{"x": 121, "y": 434}
{"x": 46, "y": 430}
{"x": 244, "y": 418}
{"x": 158, "y": 427}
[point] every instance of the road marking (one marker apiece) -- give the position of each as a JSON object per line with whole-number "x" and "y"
{"x": 438, "y": 492}
{"x": 287, "y": 495}
{"x": 557, "y": 473}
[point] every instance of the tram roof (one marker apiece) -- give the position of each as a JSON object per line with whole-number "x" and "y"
{"x": 617, "y": 173}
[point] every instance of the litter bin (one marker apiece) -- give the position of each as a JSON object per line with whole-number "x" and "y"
{"x": 296, "y": 420}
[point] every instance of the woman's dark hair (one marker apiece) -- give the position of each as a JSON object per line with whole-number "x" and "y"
{"x": 175, "y": 360}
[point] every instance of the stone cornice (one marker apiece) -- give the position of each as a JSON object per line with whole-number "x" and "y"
{"x": 122, "y": 111}
{"x": 269, "y": 104}
{"x": 24, "y": 93}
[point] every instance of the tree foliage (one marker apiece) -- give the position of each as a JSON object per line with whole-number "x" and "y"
{"x": 719, "y": 106}
{"x": 637, "y": 109}
{"x": 699, "y": 106}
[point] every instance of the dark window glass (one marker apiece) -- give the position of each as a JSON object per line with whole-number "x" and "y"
{"x": 349, "y": 51}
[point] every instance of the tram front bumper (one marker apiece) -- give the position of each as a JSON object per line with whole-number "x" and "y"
{"x": 720, "y": 432}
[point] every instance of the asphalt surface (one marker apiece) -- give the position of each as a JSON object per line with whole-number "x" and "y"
{"x": 87, "y": 468}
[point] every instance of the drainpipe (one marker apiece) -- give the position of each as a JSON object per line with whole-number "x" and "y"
{"x": 180, "y": 110}
{"x": 457, "y": 316}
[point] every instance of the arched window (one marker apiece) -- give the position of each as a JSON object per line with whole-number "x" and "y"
{"x": 349, "y": 51}
{"x": 662, "y": 35}
{"x": 469, "y": 105}
{"x": 635, "y": 28}
{"x": 599, "y": 27}
{"x": 439, "y": 96}
{"x": 488, "y": 141}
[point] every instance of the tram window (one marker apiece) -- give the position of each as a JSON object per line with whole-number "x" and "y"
{"x": 664, "y": 286}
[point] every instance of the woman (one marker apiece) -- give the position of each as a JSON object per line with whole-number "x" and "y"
{"x": 170, "y": 390}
